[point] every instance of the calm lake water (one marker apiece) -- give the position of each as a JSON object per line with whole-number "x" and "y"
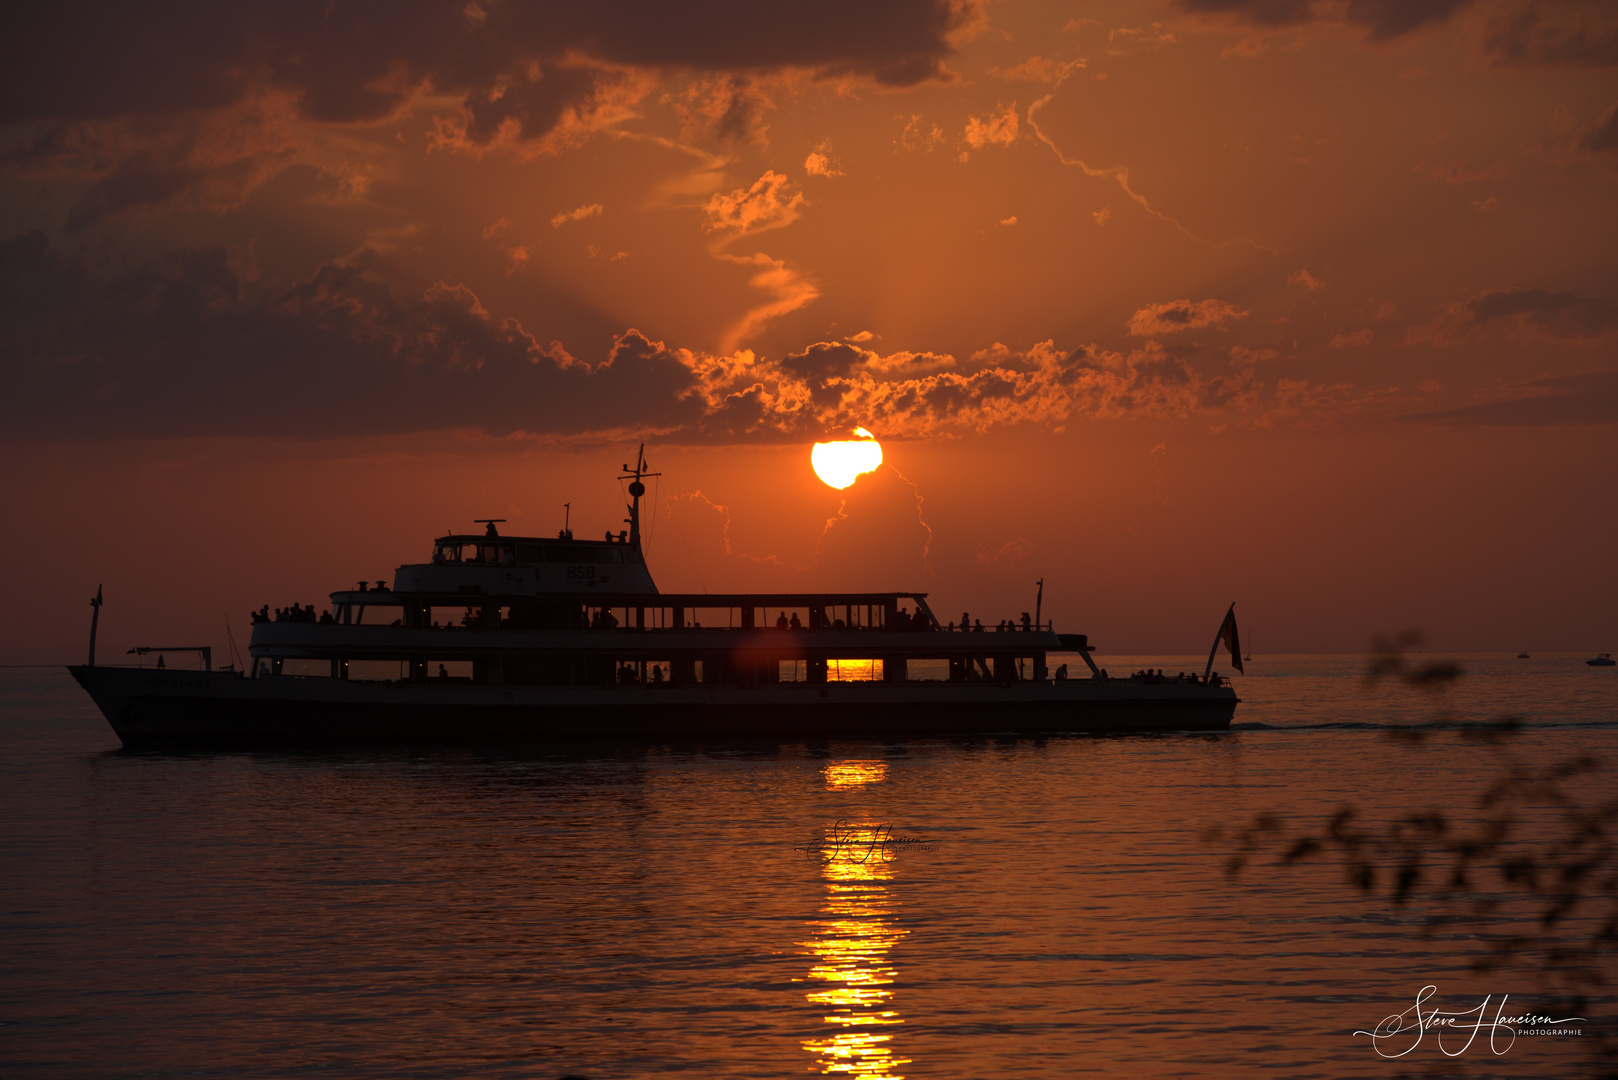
{"x": 718, "y": 909}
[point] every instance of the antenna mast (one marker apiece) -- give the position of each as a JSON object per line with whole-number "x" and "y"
{"x": 636, "y": 490}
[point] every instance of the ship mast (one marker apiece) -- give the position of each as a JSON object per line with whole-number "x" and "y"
{"x": 95, "y": 617}
{"x": 636, "y": 490}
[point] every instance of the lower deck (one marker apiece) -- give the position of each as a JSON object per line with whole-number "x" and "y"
{"x": 152, "y": 707}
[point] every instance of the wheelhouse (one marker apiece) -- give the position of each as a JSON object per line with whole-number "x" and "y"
{"x": 526, "y": 551}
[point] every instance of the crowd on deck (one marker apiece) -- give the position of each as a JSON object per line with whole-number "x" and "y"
{"x": 628, "y": 675}
{"x": 1149, "y": 675}
{"x": 603, "y": 619}
{"x": 968, "y": 625}
{"x": 294, "y": 614}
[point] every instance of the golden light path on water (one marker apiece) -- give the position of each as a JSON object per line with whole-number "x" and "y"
{"x": 854, "y": 774}
{"x": 840, "y": 463}
{"x": 852, "y": 941}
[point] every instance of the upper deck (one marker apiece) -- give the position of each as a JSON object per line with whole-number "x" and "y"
{"x": 693, "y": 637}
{"x": 495, "y": 565}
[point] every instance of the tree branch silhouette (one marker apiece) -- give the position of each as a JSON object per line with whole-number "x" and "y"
{"x": 1536, "y": 855}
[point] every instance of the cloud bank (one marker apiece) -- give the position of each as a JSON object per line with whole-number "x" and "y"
{"x": 195, "y": 344}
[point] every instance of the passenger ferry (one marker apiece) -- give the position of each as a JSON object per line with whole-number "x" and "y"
{"x": 501, "y": 638}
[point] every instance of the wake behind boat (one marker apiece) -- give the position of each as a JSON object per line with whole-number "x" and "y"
{"x": 528, "y": 639}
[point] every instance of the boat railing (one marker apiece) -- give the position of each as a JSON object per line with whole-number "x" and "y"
{"x": 1004, "y": 628}
{"x": 506, "y": 626}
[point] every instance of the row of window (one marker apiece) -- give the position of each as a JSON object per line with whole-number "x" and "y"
{"x": 789, "y": 670}
{"x": 502, "y": 554}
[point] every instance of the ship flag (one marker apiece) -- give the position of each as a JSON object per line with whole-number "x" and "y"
{"x": 1229, "y": 638}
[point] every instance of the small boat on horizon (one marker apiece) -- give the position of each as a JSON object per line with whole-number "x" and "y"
{"x": 1602, "y": 660}
{"x": 1524, "y": 655}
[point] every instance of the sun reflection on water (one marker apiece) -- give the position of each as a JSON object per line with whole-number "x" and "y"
{"x": 850, "y": 949}
{"x": 853, "y": 774}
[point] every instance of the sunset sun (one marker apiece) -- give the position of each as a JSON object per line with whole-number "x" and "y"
{"x": 840, "y": 463}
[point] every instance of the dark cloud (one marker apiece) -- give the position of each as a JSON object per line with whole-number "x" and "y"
{"x": 725, "y": 107}
{"x": 1554, "y": 33}
{"x": 1521, "y": 33}
{"x": 536, "y": 102}
{"x": 359, "y": 60}
{"x": 1258, "y": 12}
{"x": 1553, "y": 314}
{"x": 148, "y": 181}
{"x": 86, "y": 60}
{"x": 197, "y": 344}
{"x": 1567, "y": 401}
{"x": 186, "y": 346}
{"x": 206, "y": 160}
{"x": 1155, "y": 320}
{"x": 1044, "y": 386}
{"x": 1532, "y": 315}
{"x": 192, "y": 104}
{"x": 1383, "y": 20}
{"x": 824, "y": 360}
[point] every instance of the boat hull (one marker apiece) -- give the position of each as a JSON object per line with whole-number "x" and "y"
{"x": 164, "y": 708}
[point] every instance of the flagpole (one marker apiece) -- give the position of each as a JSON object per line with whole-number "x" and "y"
{"x": 1218, "y": 637}
{"x": 95, "y": 617}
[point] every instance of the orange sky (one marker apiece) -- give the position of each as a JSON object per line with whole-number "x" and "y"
{"x": 1310, "y": 305}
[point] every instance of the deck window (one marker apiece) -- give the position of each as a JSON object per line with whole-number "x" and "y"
{"x": 853, "y": 671}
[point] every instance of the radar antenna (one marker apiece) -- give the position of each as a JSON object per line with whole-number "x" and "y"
{"x": 636, "y": 490}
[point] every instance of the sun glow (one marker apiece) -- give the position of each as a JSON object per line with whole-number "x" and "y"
{"x": 839, "y": 464}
